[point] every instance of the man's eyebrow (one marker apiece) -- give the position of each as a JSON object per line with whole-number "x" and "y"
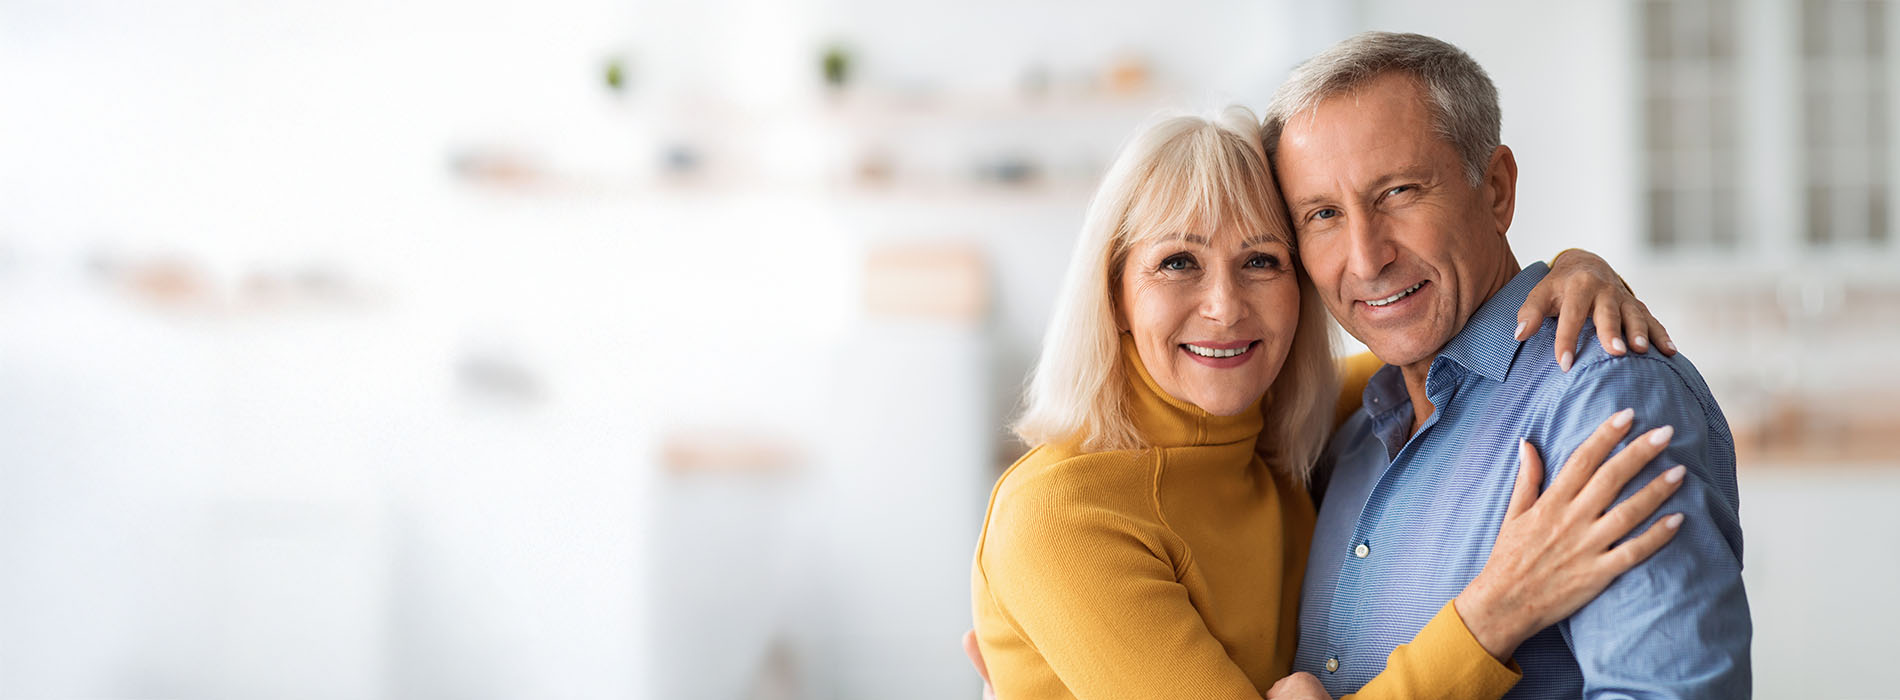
{"x": 1414, "y": 171}
{"x": 1310, "y": 200}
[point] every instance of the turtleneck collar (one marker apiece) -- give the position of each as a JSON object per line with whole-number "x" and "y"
{"x": 1165, "y": 421}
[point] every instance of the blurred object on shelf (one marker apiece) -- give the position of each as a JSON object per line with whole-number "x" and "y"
{"x": 163, "y": 281}
{"x": 835, "y": 63}
{"x": 679, "y": 160}
{"x": 1012, "y": 170}
{"x": 311, "y": 283}
{"x": 942, "y": 281}
{"x": 1837, "y": 428}
{"x": 1798, "y": 360}
{"x": 497, "y": 375}
{"x": 1128, "y": 74}
{"x": 875, "y": 167}
{"x": 498, "y": 167}
{"x": 614, "y": 74}
{"x": 728, "y": 450}
{"x": 176, "y": 283}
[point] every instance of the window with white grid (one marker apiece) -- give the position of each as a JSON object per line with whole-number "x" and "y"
{"x": 1802, "y": 88}
{"x": 1691, "y": 139}
{"x": 1847, "y": 131}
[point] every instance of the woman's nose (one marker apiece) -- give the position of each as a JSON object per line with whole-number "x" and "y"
{"x": 1222, "y": 302}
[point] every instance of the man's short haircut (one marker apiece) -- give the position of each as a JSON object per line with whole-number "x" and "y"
{"x": 1463, "y": 101}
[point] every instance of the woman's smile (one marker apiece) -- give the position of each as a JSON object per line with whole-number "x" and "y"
{"x": 1221, "y": 355}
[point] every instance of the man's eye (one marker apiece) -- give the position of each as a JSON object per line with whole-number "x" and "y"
{"x": 1177, "y": 262}
{"x": 1326, "y": 213}
{"x": 1398, "y": 190}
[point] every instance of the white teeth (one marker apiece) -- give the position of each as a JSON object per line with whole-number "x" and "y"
{"x": 1215, "y": 352}
{"x": 1396, "y": 297}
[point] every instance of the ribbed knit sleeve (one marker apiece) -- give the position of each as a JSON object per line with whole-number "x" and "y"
{"x": 1442, "y": 661}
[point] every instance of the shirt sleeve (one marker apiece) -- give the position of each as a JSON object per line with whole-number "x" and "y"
{"x": 1676, "y": 625}
{"x": 1094, "y": 591}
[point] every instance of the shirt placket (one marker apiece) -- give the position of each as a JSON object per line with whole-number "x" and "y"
{"x": 1361, "y": 568}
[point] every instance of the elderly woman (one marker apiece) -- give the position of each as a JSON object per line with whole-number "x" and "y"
{"x": 1152, "y": 543}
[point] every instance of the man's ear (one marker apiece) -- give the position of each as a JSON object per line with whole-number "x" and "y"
{"x": 1500, "y": 187}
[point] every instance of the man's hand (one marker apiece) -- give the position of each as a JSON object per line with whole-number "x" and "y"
{"x": 976, "y": 659}
{"x": 1299, "y": 686}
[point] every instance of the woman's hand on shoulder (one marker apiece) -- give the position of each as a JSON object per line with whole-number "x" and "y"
{"x": 1581, "y": 286}
{"x": 1554, "y": 552}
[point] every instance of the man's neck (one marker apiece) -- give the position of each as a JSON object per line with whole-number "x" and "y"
{"x": 1416, "y": 372}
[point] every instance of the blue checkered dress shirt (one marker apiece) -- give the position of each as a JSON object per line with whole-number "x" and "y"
{"x": 1427, "y": 509}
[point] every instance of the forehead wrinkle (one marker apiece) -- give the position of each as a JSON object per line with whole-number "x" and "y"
{"x": 1194, "y": 238}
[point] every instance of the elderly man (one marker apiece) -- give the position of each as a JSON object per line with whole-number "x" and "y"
{"x": 1387, "y": 150}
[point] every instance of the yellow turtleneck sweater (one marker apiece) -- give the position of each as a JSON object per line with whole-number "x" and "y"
{"x": 1171, "y": 572}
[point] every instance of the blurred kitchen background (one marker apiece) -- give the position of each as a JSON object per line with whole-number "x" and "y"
{"x": 662, "y": 348}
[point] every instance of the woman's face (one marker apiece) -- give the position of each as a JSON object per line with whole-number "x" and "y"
{"x": 1212, "y": 317}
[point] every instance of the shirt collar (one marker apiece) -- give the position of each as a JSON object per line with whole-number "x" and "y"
{"x": 1488, "y": 343}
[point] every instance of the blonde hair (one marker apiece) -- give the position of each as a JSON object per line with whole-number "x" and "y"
{"x": 1180, "y": 173}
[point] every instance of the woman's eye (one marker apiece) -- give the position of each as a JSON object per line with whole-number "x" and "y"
{"x": 1326, "y": 213}
{"x": 1177, "y": 262}
{"x": 1263, "y": 262}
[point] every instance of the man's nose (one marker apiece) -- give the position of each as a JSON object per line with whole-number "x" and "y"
{"x": 1372, "y": 249}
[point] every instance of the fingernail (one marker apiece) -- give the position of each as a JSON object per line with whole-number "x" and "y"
{"x": 1618, "y": 344}
{"x": 1670, "y": 344}
{"x": 1565, "y": 361}
{"x": 1672, "y": 522}
{"x": 1662, "y": 435}
{"x": 1519, "y": 333}
{"x": 1523, "y": 451}
{"x": 1623, "y": 417}
{"x": 1640, "y": 343}
{"x": 1675, "y": 475}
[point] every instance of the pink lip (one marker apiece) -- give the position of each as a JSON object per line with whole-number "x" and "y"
{"x": 1222, "y": 362}
{"x": 1228, "y": 345}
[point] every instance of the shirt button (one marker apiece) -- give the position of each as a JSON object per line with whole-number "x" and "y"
{"x": 1361, "y": 551}
{"x": 1332, "y": 665}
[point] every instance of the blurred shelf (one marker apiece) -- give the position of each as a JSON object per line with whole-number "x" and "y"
{"x": 865, "y": 108}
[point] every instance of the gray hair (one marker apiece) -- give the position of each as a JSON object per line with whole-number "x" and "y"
{"x": 1463, "y": 101}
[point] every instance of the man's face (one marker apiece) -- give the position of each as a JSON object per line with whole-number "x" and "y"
{"x": 1401, "y": 246}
